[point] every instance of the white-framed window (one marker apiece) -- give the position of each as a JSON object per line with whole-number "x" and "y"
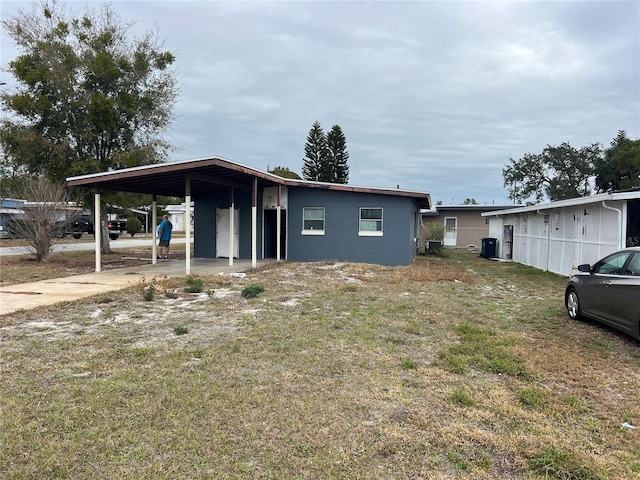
{"x": 312, "y": 220}
{"x": 370, "y": 222}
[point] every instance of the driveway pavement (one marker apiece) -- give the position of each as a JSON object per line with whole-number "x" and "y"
{"x": 24, "y": 296}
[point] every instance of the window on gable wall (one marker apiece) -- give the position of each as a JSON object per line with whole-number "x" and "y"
{"x": 313, "y": 220}
{"x": 370, "y": 222}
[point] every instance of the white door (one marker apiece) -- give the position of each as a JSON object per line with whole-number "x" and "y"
{"x": 450, "y": 231}
{"x": 222, "y": 232}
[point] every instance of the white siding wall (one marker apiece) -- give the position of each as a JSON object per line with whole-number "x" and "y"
{"x": 559, "y": 239}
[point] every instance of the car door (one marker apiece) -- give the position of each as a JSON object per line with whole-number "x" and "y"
{"x": 624, "y": 290}
{"x": 596, "y": 292}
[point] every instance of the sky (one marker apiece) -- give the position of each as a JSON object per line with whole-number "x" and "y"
{"x": 432, "y": 96}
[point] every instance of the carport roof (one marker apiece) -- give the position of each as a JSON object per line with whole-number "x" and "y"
{"x": 208, "y": 175}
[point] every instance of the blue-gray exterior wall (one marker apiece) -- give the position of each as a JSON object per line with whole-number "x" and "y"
{"x": 397, "y": 245}
{"x": 204, "y": 238}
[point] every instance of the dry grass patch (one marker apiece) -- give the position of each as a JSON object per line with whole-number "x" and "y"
{"x": 335, "y": 370}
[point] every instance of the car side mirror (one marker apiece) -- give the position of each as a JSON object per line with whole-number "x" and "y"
{"x": 584, "y": 268}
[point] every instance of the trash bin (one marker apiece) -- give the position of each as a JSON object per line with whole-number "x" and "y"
{"x": 489, "y": 247}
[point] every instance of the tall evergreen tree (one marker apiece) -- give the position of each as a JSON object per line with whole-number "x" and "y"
{"x": 336, "y": 169}
{"x": 315, "y": 153}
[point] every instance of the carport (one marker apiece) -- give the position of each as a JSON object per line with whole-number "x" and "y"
{"x": 184, "y": 179}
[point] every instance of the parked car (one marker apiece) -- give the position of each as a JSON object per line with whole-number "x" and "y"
{"x": 608, "y": 291}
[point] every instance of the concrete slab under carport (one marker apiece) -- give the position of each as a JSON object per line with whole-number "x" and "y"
{"x": 26, "y": 296}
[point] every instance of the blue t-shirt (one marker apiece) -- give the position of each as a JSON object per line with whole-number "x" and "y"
{"x": 164, "y": 230}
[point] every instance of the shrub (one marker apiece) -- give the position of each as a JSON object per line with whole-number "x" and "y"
{"x": 194, "y": 285}
{"x": 133, "y": 226}
{"x": 148, "y": 293}
{"x": 181, "y": 330}
{"x": 252, "y": 291}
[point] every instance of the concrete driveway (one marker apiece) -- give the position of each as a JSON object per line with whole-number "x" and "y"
{"x": 24, "y": 296}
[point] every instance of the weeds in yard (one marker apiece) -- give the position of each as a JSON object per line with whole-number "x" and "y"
{"x": 181, "y": 330}
{"x": 194, "y": 285}
{"x": 462, "y": 398}
{"x": 408, "y": 364}
{"x": 148, "y": 293}
{"x": 555, "y": 463}
{"x": 531, "y": 397}
{"x": 252, "y": 291}
{"x": 482, "y": 348}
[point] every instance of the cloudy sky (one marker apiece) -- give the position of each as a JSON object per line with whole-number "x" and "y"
{"x": 432, "y": 96}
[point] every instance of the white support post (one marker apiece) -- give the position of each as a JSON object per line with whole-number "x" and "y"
{"x": 187, "y": 225}
{"x": 232, "y": 211}
{"x": 254, "y": 224}
{"x": 154, "y": 230}
{"x": 97, "y": 232}
{"x": 278, "y": 226}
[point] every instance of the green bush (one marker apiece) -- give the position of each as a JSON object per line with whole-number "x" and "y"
{"x": 181, "y": 330}
{"x": 252, "y": 291}
{"x": 133, "y": 226}
{"x": 194, "y": 285}
{"x": 148, "y": 293}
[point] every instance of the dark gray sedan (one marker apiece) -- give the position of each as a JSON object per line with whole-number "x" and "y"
{"x": 608, "y": 291}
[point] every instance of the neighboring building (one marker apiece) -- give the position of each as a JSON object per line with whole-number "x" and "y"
{"x": 176, "y": 216}
{"x": 316, "y": 221}
{"x": 559, "y": 236}
{"x": 464, "y": 225}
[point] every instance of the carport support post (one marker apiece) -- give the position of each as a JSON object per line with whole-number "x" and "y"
{"x": 187, "y": 225}
{"x": 97, "y": 232}
{"x": 154, "y": 230}
{"x": 232, "y": 211}
{"x": 254, "y": 224}
{"x": 278, "y": 225}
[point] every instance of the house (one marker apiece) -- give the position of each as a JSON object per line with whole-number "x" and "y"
{"x": 241, "y": 212}
{"x": 464, "y": 225}
{"x": 560, "y": 235}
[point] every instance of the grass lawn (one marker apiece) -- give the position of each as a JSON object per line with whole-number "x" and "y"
{"x": 455, "y": 367}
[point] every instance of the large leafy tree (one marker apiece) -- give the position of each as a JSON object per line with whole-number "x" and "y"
{"x": 336, "y": 169}
{"x": 315, "y": 153}
{"x": 558, "y": 173}
{"x": 90, "y": 96}
{"x": 620, "y": 168}
{"x": 284, "y": 172}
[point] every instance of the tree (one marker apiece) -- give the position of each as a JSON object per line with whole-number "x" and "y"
{"x": 558, "y": 173}
{"x": 470, "y": 201}
{"x": 336, "y": 169}
{"x": 90, "y": 97}
{"x": 46, "y": 216}
{"x": 326, "y": 156}
{"x": 315, "y": 152}
{"x": 284, "y": 172}
{"x": 620, "y": 168}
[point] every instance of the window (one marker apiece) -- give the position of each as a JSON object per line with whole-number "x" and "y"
{"x": 612, "y": 265}
{"x": 313, "y": 221}
{"x": 634, "y": 266}
{"x": 370, "y": 222}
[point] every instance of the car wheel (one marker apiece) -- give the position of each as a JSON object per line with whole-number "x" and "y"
{"x": 573, "y": 305}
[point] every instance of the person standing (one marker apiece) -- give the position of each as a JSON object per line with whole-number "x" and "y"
{"x": 164, "y": 233}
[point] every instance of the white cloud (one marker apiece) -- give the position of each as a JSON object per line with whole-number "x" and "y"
{"x": 432, "y": 96}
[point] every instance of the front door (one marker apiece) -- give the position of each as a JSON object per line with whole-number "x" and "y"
{"x": 222, "y": 232}
{"x": 450, "y": 231}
